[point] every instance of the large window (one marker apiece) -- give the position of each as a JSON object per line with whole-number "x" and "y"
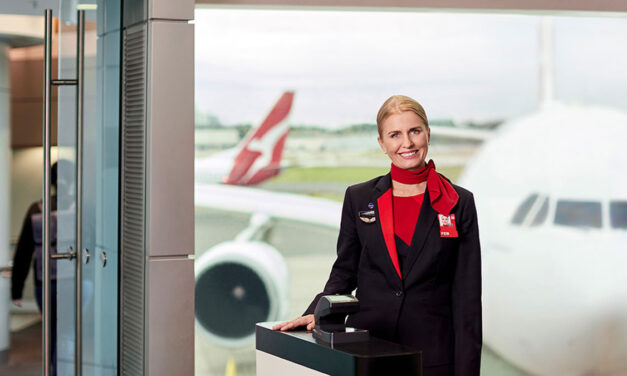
{"x": 475, "y": 74}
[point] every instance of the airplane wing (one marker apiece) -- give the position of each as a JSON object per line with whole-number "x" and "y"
{"x": 276, "y": 204}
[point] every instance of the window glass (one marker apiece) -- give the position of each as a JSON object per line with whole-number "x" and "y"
{"x": 542, "y": 213}
{"x": 523, "y": 209}
{"x": 472, "y": 72}
{"x": 618, "y": 214}
{"x": 578, "y": 213}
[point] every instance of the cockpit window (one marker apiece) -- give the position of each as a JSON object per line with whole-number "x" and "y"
{"x": 618, "y": 214}
{"x": 540, "y": 216}
{"x": 578, "y": 213}
{"x": 523, "y": 209}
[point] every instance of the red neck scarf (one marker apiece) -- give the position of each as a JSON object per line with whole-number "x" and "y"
{"x": 441, "y": 193}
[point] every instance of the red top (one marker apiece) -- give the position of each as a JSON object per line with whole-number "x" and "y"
{"x": 406, "y": 211}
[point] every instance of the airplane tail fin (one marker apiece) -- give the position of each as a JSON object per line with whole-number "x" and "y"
{"x": 259, "y": 156}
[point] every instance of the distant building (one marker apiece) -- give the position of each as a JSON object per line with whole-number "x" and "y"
{"x": 216, "y": 138}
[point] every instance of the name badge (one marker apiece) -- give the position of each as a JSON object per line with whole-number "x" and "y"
{"x": 367, "y": 216}
{"x": 447, "y": 226}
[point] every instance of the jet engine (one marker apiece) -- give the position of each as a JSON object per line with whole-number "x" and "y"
{"x": 240, "y": 283}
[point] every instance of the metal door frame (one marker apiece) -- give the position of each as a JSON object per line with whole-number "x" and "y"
{"x": 74, "y": 253}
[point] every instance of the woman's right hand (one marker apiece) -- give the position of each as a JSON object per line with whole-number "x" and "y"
{"x": 307, "y": 320}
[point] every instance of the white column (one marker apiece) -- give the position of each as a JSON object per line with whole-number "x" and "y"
{"x": 5, "y": 204}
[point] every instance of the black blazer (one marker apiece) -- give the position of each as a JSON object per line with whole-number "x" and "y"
{"x": 436, "y": 306}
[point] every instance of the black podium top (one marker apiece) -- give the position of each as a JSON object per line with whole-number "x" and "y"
{"x": 374, "y": 357}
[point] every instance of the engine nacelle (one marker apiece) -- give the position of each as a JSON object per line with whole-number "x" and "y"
{"x": 239, "y": 283}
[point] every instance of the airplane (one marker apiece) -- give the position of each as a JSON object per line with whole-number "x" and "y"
{"x": 551, "y": 198}
{"x": 257, "y": 157}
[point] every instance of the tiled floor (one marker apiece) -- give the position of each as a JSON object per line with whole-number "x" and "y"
{"x": 25, "y": 353}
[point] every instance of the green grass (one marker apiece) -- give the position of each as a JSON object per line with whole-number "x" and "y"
{"x": 350, "y": 175}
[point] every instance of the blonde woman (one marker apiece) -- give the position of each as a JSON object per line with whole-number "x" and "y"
{"x": 409, "y": 245}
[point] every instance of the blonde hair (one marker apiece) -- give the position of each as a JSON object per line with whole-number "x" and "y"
{"x": 397, "y": 104}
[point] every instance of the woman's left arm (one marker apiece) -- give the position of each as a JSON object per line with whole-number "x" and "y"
{"x": 467, "y": 292}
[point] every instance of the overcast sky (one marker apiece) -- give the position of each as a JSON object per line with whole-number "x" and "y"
{"x": 343, "y": 65}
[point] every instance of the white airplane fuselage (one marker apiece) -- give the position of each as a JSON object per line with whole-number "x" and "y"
{"x": 554, "y": 283}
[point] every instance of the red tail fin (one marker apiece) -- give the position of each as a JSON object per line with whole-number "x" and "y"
{"x": 260, "y": 155}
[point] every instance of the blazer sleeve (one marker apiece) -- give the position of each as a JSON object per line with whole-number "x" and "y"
{"x": 466, "y": 295}
{"x": 343, "y": 277}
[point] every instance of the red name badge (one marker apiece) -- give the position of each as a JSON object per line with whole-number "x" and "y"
{"x": 447, "y": 226}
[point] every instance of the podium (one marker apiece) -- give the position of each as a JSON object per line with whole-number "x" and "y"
{"x": 297, "y": 353}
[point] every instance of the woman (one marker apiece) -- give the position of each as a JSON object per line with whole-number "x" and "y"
{"x": 409, "y": 244}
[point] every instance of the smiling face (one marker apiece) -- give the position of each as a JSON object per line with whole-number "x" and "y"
{"x": 405, "y": 139}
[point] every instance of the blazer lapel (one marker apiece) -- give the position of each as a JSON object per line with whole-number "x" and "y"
{"x": 386, "y": 213}
{"x": 383, "y": 195}
{"x": 426, "y": 220}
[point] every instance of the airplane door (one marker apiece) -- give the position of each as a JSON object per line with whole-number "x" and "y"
{"x": 81, "y": 334}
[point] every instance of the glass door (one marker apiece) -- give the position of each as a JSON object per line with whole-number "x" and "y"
{"x": 87, "y": 192}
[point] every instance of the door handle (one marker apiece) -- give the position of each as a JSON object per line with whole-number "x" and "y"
{"x": 48, "y": 83}
{"x": 69, "y": 255}
{"x": 63, "y": 256}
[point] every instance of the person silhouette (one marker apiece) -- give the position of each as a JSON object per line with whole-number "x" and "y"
{"x": 30, "y": 243}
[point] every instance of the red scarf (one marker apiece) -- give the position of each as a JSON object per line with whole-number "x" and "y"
{"x": 441, "y": 192}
